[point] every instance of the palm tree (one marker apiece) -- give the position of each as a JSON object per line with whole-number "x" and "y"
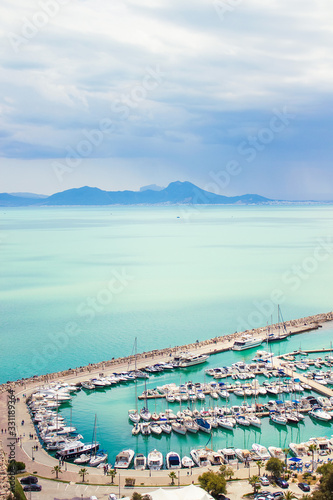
{"x": 254, "y": 482}
{"x": 112, "y": 473}
{"x": 83, "y": 472}
{"x": 312, "y": 448}
{"x": 172, "y": 476}
{"x": 56, "y": 470}
{"x": 289, "y": 495}
{"x": 286, "y": 452}
{"x": 260, "y": 463}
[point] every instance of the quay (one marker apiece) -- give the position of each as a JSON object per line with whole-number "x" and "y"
{"x": 315, "y": 386}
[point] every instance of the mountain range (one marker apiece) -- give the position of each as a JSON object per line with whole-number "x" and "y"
{"x": 175, "y": 193}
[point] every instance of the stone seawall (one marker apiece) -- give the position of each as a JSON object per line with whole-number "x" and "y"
{"x": 4, "y": 482}
{"x": 216, "y": 344}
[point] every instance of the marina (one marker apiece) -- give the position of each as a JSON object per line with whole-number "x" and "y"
{"x": 234, "y": 404}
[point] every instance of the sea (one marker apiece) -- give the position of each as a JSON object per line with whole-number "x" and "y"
{"x": 80, "y": 284}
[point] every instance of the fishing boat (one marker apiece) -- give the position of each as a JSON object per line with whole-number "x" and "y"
{"x": 187, "y": 462}
{"x": 246, "y": 342}
{"x": 173, "y": 460}
{"x": 124, "y": 459}
{"x": 155, "y": 460}
{"x": 140, "y": 462}
{"x": 200, "y": 457}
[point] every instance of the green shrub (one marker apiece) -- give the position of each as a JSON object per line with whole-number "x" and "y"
{"x": 15, "y": 467}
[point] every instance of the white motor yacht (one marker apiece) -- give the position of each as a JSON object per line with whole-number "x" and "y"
{"x": 155, "y": 460}
{"x": 124, "y": 459}
{"x": 140, "y": 462}
{"x": 173, "y": 460}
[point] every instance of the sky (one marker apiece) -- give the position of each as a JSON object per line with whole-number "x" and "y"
{"x": 232, "y": 95}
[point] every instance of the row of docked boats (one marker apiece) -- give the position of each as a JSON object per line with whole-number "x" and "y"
{"x": 182, "y": 360}
{"x": 55, "y": 435}
{"x": 205, "y": 457}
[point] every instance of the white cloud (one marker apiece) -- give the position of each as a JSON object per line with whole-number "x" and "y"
{"x": 218, "y": 75}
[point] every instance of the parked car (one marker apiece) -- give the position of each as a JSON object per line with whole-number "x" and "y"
{"x": 222, "y": 497}
{"x": 304, "y": 486}
{"x": 32, "y": 487}
{"x": 277, "y": 495}
{"x": 29, "y": 480}
{"x": 264, "y": 481}
{"x": 282, "y": 482}
{"x": 112, "y": 496}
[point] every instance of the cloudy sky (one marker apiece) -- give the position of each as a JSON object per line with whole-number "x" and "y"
{"x": 232, "y": 95}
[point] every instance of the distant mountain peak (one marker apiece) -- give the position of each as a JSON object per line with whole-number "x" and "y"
{"x": 151, "y": 187}
{"x": 177, "y": 192}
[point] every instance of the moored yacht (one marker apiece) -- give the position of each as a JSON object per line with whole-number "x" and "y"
{"x": 140, "y": 462}
{"x": 76, "y": 448}
{"x": 173, "y": 460}
{"x": 229, "y": 456}
{"x": 203, "y": 424}
{"x": 97, "y": 459}
{"x": 200, "y": 457}
{"x": 124, "y": 459}
{"x": 246, "y": 342}
{"x": 188, "y": 359}
{"x": 320, "y": 414}
{"x": 261, "y": 451}
{"x": 276, "y": 452}
{"x": 155, "y": 460}
{"x": 187, "y": 462}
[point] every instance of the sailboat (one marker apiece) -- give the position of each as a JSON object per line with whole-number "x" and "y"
{"x": 144, "y": 412}
{"x": 96, "y": 458}
{"x": 133, "y": 415}
{"x": 274, "y": 337}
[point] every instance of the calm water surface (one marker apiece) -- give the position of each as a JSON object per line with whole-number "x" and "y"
{"x": 79, "y": 284}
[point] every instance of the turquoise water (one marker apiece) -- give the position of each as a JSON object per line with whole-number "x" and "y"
{"x": 112, "y": 404}
{"x": 79, "y": 284}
